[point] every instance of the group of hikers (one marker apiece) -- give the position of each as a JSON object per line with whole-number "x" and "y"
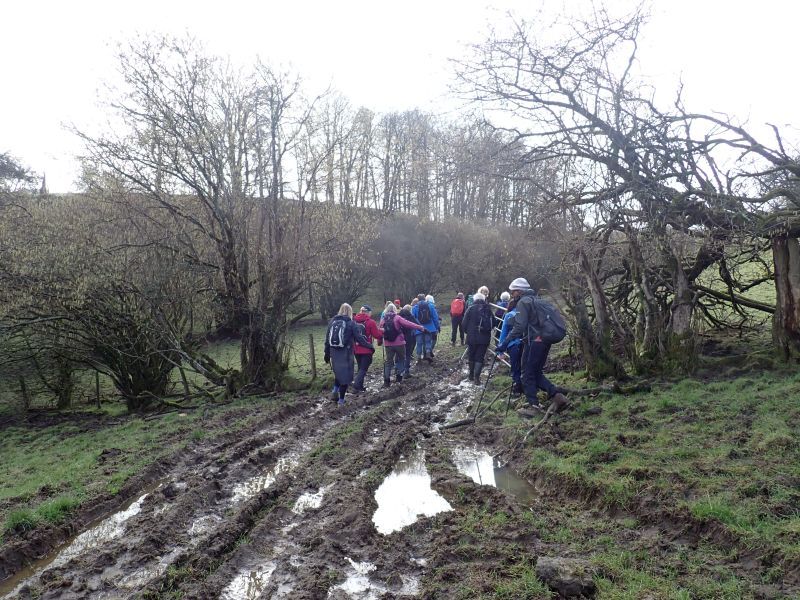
{"x": 527, "y": 325}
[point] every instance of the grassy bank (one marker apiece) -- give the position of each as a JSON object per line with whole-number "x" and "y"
{"x": 55, "y": 464}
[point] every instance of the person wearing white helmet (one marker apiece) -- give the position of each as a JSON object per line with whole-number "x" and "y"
{"x": 536, "y": 350}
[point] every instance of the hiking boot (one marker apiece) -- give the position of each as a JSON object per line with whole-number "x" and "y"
{"x": 399, "y": 378}
{"x": 341, "y": 402}
{"x": 406, "y": 375}
{"x": 478, "y": 369}
{"x": 530, "y": 412}
{"x": 471, "y": 375}
{"x": 516, "y": 388}
{"x": 333, "y": 396}
{"x": 387, "y": 383}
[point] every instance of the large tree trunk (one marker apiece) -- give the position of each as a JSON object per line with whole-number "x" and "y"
{"x": 680, "y": 350}
{"x": 786, "y": 320}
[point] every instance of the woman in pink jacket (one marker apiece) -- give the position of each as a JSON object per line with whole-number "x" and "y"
{"x": 394, "y": 342}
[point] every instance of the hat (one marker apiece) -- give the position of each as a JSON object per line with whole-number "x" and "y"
{"x": 520, "y": 283}
{"x": 460, "y": 295}
{"x": 397, "y": 301}
{"x": 366, "y": 308}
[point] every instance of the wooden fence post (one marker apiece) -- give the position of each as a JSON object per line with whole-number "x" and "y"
{"x": 312, "y": 356}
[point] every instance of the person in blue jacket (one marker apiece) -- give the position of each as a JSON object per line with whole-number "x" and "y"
{"x": 425, "y": 313}
{"x": 514, "y": 348}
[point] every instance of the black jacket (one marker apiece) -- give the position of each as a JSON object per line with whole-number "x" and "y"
{"x": 472, "y": 321}
{"x": 526, "y": 316}
{"x": 342, "y": 358}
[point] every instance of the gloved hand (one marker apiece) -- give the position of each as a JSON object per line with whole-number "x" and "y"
{"x": 328, "y": 358}
{"x": 501, "y": 348}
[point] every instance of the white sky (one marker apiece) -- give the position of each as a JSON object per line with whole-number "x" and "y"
{"x": 733, "y": 55}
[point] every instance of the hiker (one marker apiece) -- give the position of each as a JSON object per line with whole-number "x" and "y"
{"x": 362, "y": 353}
{"x": 457, "y": 308}
{"x": 342, "y": 331}
{"x": 411, "y": 338}
{"x": 425, "y": 313}
{"x": 397, "y": 303}
{"x": 513, "y": 349}
{"x": 502, "y": 308}
{"x": 526, "y": 322}
{"x": 435, "y": 336}
{"x": 394, "y": 343}
{"x": 470, "y": 301}
{"x": 485, "y": 291}
{"x": 478, "y": 322}
{"x": 505, "y": 298}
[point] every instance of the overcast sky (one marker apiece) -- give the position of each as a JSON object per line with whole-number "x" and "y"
{"x": 733, "y": 56}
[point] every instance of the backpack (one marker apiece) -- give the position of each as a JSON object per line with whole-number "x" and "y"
{"x": 390, "y": 329}
{"x": 424, "y": 313}
{"x": 551, "y": 325}
{"x": 337, "y": 334}
{"x": 457, "y": 307}
{"x": 485, "y": 319}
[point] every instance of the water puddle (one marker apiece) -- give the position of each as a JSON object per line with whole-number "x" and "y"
{"x": 406, "y": 494}
{"x": 478, "y": 465}
{"x": 358, "y": 584}
{"x": 98, "y": 533}
{"x": 141, "y": 577}
{"x": 251, "y": 487}
{"x": 310, "y": 501}
{"x": 249, "y": 583}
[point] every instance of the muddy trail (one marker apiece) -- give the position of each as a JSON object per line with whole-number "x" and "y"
{"x": 370, "y": 500}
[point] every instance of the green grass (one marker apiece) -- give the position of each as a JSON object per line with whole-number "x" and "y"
{"x": 724, "y": 451}
{"x": 48, "y": 472}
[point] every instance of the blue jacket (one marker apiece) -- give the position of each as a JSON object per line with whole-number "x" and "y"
{"x": 433, "y": 326}
{"x": 508, "y": 323}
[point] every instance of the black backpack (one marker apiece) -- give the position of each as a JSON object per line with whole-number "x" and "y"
{"x": 485, "y": 319}
{"x": 424, "y": 313}
{"x": 337, "y": 334}
{"x": 390, "y": 329}
{"x": 551, "y": 326}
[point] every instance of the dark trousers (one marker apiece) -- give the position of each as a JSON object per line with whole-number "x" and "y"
{"x": 395, "y": 358}
{"x": 363, "y": 361}
{"x": 476, "y": 352}
{"x": 456, "y": 322}
{"x": 515, "y": 360}
{"x": 533, "y": 359}
{"x": 411, "y": 343}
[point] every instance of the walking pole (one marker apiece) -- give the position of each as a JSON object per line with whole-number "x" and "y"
{"x": 485, "y": 385}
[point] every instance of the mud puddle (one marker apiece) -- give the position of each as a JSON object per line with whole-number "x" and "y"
{"x": 405, "y": 495}
{"x": 359, "y": 585}
{"x": 97, "y": 533}
{"x": 249, "y": 583}
{"x": 478, "y": 465}
{"x": 247, "y": 489}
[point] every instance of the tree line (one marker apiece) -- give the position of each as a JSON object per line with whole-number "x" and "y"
{"x": 227, "y": 202}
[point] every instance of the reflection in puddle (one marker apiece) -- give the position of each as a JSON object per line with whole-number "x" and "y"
{"x": 405, "y": 494}
{"x": 251, "y": 487}
{"x": 358, "y": 584}
{"x": 249, "y": 583}
{"x": 103, "y": 531}
{"x": 479, "y": 466}
{"x": 475, "y": 464}
{"x": 309, "y": 500}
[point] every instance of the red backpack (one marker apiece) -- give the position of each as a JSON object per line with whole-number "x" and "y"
{"x": 457, "y": 307}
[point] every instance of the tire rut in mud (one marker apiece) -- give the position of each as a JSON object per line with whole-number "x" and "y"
{"x": 212, "y": 497}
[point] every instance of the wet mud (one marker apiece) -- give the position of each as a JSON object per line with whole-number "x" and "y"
{"x": 370, "y": 500}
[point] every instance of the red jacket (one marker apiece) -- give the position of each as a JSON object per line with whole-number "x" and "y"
{"x": 371, "y": 331}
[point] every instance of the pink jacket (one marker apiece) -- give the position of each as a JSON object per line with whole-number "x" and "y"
{"x": 399, "y": 321}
